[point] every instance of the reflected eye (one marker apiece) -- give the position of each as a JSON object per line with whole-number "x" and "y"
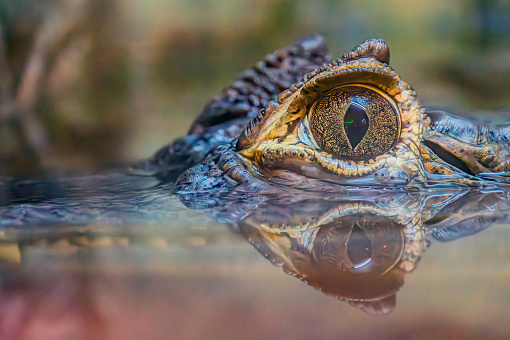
{"x": 355, "y": 122}
{"x": 359, "y": 247}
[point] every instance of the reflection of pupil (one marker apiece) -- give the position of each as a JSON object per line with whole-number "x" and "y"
{"x": 355, "y": 124}
{"x": 359, "y": 247}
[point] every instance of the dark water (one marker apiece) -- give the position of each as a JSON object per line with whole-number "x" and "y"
{"x": 372, "y": 264}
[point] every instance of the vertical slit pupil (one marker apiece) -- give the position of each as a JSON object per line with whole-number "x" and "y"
{"x": 356, "y": 124}
{"x": 359, "y": 247}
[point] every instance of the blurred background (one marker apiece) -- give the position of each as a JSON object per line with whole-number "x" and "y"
{"x": 90, "y": 84}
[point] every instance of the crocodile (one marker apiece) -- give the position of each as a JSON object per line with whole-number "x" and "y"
{"x": 351, "y": 121}
{"x": 330, "y": 168}
{"x": 299, "y": 118}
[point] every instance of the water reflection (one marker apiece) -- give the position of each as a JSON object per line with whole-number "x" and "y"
{"x": 359, "y": 248}
{"x": 96, "y": 261}
{"x": 356, "y": 246}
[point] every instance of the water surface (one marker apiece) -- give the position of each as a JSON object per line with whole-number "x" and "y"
{"x": 383, "y": 264}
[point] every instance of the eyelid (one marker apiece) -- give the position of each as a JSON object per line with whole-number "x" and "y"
{"x": 385, "y": 95}
{"x": 304, "y": 133}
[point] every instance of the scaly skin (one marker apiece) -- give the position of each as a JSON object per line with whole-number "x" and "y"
{"x": 277, "y": 147}
{"x": 252, "y": 140}
{"x": 245, "y": 150}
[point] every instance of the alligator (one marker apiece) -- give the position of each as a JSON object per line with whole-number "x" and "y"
{"x": 331, "y": 168}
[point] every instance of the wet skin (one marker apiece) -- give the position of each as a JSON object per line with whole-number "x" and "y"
{"x": 352, "y": 121}
{"x": 355, "y": 121}
{"x": 299, "y": 118}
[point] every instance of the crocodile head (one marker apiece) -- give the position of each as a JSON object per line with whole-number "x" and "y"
{"x": 355, "y": 121}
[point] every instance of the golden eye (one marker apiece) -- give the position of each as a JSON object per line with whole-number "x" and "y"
{"x": 355, "y": 122}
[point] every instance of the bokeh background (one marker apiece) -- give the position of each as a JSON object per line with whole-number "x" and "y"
{"x": 91, "y": 84}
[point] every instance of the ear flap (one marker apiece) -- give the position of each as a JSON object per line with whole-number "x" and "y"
{"x": 372, "y": 48}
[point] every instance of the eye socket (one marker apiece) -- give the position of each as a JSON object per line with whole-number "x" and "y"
{"x": 355, "y": 122}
